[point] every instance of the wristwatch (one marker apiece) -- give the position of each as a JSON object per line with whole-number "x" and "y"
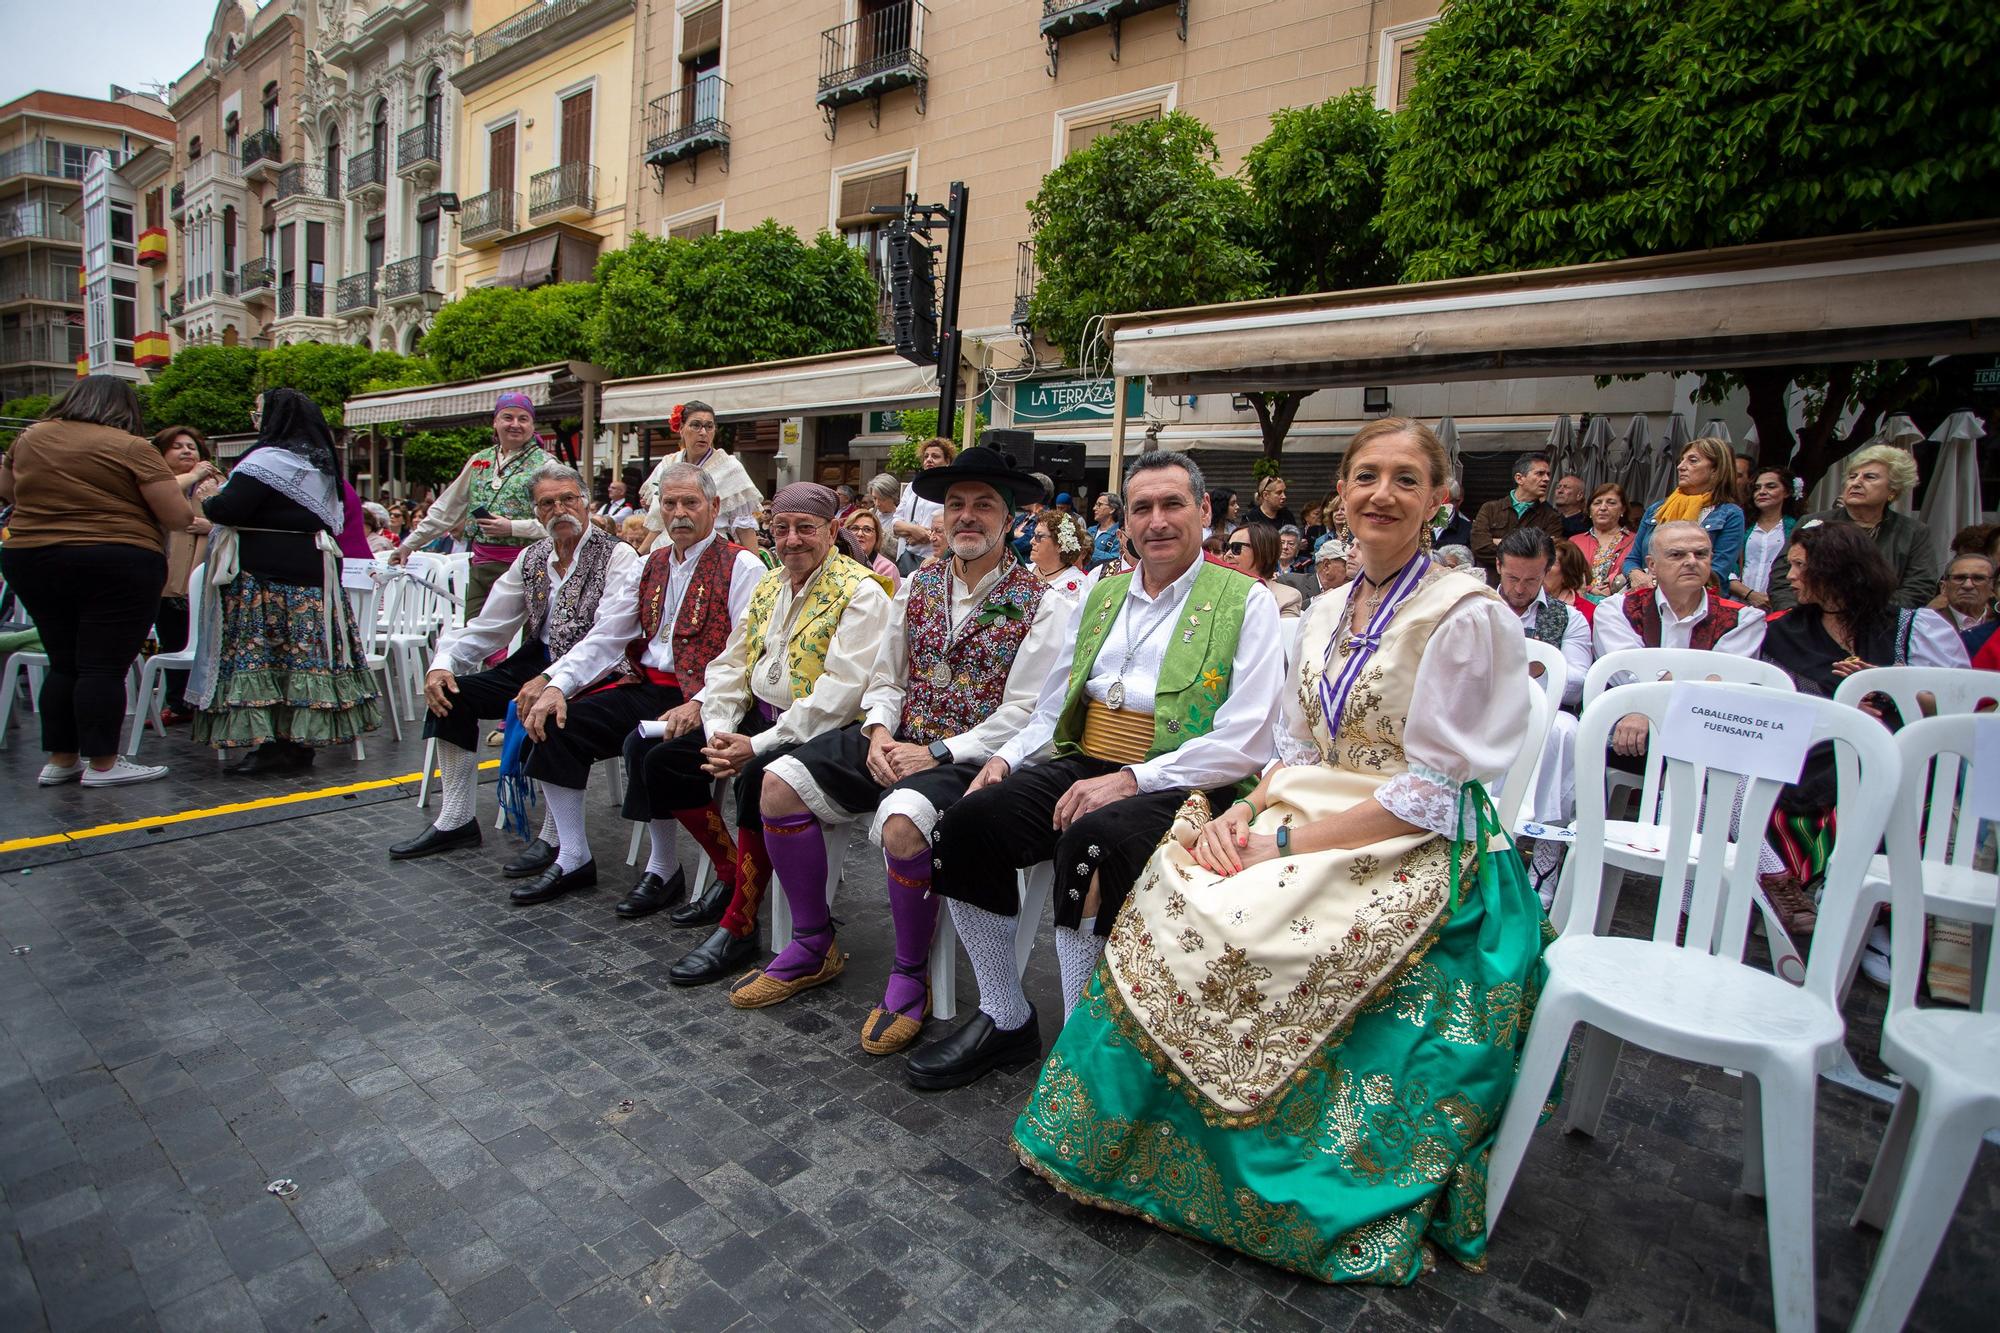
{"x": 941, "y": 752}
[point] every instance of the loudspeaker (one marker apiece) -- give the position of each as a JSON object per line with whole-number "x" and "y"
{"x": 1062, "y": 460}
{"x": 1017, "y": 446}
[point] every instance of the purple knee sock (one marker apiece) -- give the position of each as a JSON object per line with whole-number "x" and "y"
{"x": 797, "y": 845}
{"x": 915, "y": 912}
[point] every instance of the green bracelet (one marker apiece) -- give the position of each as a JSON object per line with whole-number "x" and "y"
{"x": 1245, "y": 802}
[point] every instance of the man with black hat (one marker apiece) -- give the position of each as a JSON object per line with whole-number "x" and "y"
{"x": 972, "y": 640}
{"x": 795, "y": 666}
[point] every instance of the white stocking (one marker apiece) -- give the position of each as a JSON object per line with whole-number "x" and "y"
{"x": 1077, "y": 952}
{"x": 989, "y": 942}
{"x": 665, "y": 858}
{"x": 458, "y": 789}
{"x": 573, "y": 839}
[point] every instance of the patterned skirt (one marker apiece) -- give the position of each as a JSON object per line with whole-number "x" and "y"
{"x": 276, "y": 678}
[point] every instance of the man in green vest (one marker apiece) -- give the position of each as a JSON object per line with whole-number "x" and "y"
{"x": 1170, "y": 685}
{"x": 489, "y": 503}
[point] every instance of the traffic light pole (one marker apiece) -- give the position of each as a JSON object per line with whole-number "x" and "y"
{"x": 948, "y": 357}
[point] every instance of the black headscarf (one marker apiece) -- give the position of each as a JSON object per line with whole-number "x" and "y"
{"x": 293, "y": 422}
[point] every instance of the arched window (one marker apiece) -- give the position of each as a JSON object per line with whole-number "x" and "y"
{"x": 434, "y": 98}
{"x": 378, "y": 127}
{"x": 271, "y": 107}
{"x": 332, "y": 159}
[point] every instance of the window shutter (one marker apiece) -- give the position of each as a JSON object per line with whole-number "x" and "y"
{"x": 576, "y": 128}
{"x": 1082, "y": 136}
{"x": 701, "y": 33}
{"x": 859, "y": 194}
{"x": 500, "y": 159}
{"x": 1406, "y": 72}
{"x": 695, "y": 230}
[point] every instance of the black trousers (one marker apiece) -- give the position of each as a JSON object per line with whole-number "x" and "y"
{"x": 664, "y": 776}
{"x": 838, "y": 764}
{"x": 597, "y": 728}
{"x": 982, "y": 840}
{"x": 94, "y": 606}
{"x": 170, "y": 626}
{"x": 483, "y": 696}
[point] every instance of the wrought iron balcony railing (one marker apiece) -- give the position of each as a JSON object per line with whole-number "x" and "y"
{"x": 354, "y": 292}
{"x": 872, "y": 55}
{"x": 417, "y": 147}
{"x": 305, "y": 298}
{"x": 569, "y": 187}
{"x": 365, "y": 171}
{"x": 254, "y": 275}
{"x": 521, "y": 26}
{"x": 1024, "y": 282}
{"x": 176, "y": 197}
{"x": 489, "y": 216}
{"x": 1061, "y": 18}
{"x": 406, "y": 278}
{"x": 301, "y": 181}
{"x": 688, "y": 121}
{"x": 262, "y": 148}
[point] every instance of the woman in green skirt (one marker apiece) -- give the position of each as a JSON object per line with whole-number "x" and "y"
{"x": 1304, "y": 1029}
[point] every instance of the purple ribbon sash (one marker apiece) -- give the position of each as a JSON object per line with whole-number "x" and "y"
{"x": 1333, "y": 698}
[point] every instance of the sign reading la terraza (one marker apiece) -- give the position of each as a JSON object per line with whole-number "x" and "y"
{"x": 1054, "y": 402}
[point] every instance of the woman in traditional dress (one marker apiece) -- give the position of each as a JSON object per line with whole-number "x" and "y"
{"x": 282, "y": 671}
{"x": 1305, "y": 1027}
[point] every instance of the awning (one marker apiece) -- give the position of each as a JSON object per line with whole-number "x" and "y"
{"x": 869, "y": 377}
{"x": 1920, "y": 292}
{"x": 559, "y": 385}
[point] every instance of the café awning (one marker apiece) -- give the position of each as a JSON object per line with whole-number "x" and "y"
{"x": 555, "y": 389}
{"x": 1917, "y": 292}
{"x": 863, "y": 379}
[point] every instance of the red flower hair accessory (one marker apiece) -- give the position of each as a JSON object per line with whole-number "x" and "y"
{"x": 674, "y": 421}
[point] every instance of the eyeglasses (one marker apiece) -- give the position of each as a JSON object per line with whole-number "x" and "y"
{"x": 549, "y": 502}
{"x": 703, "y": 426}
{"x": 1968, "y": 578}
{"x": 1237, "y": 548}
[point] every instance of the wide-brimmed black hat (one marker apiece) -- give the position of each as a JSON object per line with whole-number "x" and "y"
{"x": 981, "y": 464}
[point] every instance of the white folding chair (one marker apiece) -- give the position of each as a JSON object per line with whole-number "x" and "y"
{"x": 1543, "y": 704}
{"x": 1037, "y": 886}
{"x": 152, "y": 689}
{"x": 28, "y": 665}
{"x": 1949, "y": 1059}
{"x": 1699, "y": 1001}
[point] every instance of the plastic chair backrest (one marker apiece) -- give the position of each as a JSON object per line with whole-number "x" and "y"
{"x": 1555, "y": 671}
{"x": 366, "y": 604}
{"x": 1651, "y": 664}
{"x": 1519, "y": 779}
{"x": 1695, "y": 848}
{"x": 1943, "y": 742}
{"x": 1945, "y": 692}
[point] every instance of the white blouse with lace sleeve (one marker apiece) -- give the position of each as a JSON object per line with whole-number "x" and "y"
{"x": 1294, "y": 734}
{"x": 1468, "y": 712}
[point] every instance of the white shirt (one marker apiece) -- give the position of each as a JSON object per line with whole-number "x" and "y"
{"x": 1934, "y": 642}
{"x": 1575, "y": 646}
{"x": 913, "y": 508}
{"x": 744, "y": 574}
{"x": 1240, "y": 742}
{"x": 740, "y": 677}
{"x": 1615, "y": 632}
{"x": 882, "y": 706}
{"x": 1761, "y": 550}
{"x": 736, "y": 496}
{"x": 506, "y": 613}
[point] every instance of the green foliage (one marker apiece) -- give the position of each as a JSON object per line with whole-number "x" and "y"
{"x": 1316, "y": 182}
{"x": 31, "y": 408}
{"x": 1140, "y": 220}
{"x": 1544, "y": 133}
{"x": 920, "y": 424}
{"x": 728, "y": 299}
{"x": 210, "y": 388}
{"x": 434, "y": 457}
{"x": 405, "y": 372}
{"x": 494, "y": 329}
{"x": 331, "y": 373}
{"x": 1265, "y": 467}
{"x": 902, "y": 461}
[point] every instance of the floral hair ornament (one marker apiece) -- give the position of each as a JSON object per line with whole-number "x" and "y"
{"x": 679, "y": 414}
{"x": 1066, "y": 539}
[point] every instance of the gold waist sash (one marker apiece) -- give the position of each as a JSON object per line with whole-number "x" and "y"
{"x": 1114, "y": 734}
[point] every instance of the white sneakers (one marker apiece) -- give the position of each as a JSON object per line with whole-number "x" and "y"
{"x": 55, "y": 775}
{"x": 123, "y": 773}
{"x": 1875, "y": 956}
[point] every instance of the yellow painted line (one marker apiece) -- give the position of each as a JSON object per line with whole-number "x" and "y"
{"x": 211, "y": 812}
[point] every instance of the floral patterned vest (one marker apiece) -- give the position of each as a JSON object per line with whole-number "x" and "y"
{"x": 979, "y": 660}
{"x": 1644, "y": 614}
{"x": 812, "y": 630}
{"x": 1194, "y": 677}
{"x": 701, "y": 630}
{"x": 573, "y": 610}
{"x": 1552, "y": 621}
{"x": 502, "y": 488}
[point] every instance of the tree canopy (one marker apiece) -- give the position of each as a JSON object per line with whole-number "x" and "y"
{"x": 331, "y": 373}
{"x": 1141, "y": 219}
{"x": 1316, "y": 188}
{"x": 494, "y": 329}
{"x": 209, "y": 387}
{"x": 729, "y": 298}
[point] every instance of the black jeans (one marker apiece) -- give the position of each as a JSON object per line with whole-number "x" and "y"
{"x": 93, "y": 606}
{"x": 483, "y": 696}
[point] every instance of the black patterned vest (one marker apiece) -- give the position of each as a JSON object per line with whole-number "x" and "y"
{"x": 575, "y": 608}
{"x": 1550, "y": 623}
{"x": 979, "y": 658}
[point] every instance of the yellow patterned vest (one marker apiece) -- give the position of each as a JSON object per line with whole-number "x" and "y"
{"x": 826, "y": 601}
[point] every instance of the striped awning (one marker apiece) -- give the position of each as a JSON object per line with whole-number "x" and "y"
{"x": 868, "y": 378}
{"x": 464, "y": 398}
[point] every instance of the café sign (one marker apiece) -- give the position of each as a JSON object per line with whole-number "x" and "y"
{"x": 1073, "y": 401}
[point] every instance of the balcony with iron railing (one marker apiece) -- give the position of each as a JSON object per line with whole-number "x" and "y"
{"x": 177, "y": 198}
{"x": 1024, "y": 282}
{"x": 567, "y": 190}
{"x": 407, "y": 279}
{"x": 177, "y": 305}
{"x": 300, "y": 181}
{"x": 261, "y": 153}
{"x": 688, "y": 122}
{"x": 417, "y": 150}
{"x": 366, "y": 172}
{"x": 520, "y": 27}
{"x": 38, "y": 220}
{"x": 306, "y": 299}
{"x": 486, "y": 218}
{"x": 871, "y": 56}
{"x": 255, "y": 279}
{"x": 57, "y": 344}
{"x": 1062, "y": 18}
{"x": 354, "y": 293}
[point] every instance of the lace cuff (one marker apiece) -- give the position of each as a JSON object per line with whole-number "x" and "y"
{"x": 1295, "y": 753}
{"x": 1423, "y": 797}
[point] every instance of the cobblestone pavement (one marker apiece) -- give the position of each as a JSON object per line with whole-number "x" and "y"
{"x": 508, "y": 1119}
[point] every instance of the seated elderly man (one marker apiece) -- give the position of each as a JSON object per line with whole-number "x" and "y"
{"x": 552, "y": 597}
{"x": 1329, "y": 564}
{"x": 795, "y": 667}
{"x": 687, "y": 597}
{"x": 972, "y": 639}
{"x": 1968, "y": 599}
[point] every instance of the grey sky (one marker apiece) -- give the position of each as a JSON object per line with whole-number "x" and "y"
{"x": 85, "y": 46}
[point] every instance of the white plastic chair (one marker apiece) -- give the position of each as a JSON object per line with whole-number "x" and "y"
{"x": 366, "y": 604}
{"x": 153, "y": 673}
{"x": 1699, "y": 1001}
{"x": 28, "y": 664}
{"x": 1543, "y": 704}
{"x": 1949, "y": 1058}
{"x": 1037, "y": 885}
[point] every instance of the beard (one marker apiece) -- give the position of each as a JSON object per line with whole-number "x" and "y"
{"x": 973, "y": 545}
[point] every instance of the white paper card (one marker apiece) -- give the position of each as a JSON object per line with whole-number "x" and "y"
{"x": 653, "y": 728}
{"x": 357, "y": 574}
{"x": 1763, "y": 735}
{"x": 1982, "y": 794}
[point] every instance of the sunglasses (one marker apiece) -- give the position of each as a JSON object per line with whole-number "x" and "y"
{"x": 1237, "y": 548}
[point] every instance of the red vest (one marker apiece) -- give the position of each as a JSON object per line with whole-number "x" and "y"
{"x": 702, "y": 629}
{"x": 1644, "y": 613}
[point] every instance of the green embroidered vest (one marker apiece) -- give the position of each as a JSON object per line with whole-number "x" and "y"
{"x": 511, "y": 498}
{"x": 1194, "y": 678}
{"x": 812, "y": 630}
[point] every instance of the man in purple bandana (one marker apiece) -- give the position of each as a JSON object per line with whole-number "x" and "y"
{"x": 489, "y": 503}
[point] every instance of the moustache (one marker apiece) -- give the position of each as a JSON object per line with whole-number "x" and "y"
{"x": 575, "y": 524}
{"x": 680, "y": 525}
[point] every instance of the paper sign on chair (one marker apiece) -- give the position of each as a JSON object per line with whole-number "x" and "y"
{"x": 1758, "y": 734}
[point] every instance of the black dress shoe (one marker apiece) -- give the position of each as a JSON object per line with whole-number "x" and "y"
{"x": 705, "y": 910}
{"x": 554, "y": 883}
{"x": 269, "y": 758}
{"x": 536, "y": 857}
{"x": 434, "y": 840}
{"x": 973, "y": 1051}
{"x": 651, "y": 894}
{"x": 718, "y": 956}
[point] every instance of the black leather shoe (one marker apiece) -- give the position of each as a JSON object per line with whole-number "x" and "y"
{"x": 553, "y": 883}
{"x": 536, "y": 857}
{"x": 651, "y": 894}
{"x": 972, "y": 1052}
{"x": 270, "y": 758}
{"x": 705, "y": 910}
{"x": 718, "y": 956}
{"x": 434, "y": 840}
